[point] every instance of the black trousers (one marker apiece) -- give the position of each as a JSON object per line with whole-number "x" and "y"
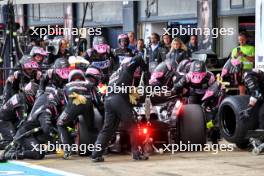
{"x": 117, "y": 108}
{"x": 70, "y": 114}
{"x": 7, "y": 131}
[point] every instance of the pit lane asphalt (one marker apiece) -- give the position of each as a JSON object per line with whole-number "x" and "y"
{"x": 237, "y": 162}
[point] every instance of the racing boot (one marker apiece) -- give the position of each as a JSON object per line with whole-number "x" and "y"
{"x": 214, "y": 136}
{"x": 12, "y": 155}
{"x": 2, "y": 158}
{"x": 97, "y": 159}
{"x": 139, "y": 155}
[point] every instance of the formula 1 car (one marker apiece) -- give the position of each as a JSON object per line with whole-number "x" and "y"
{"x": 167, "y": 123}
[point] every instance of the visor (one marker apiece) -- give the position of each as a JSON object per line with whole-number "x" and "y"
{"x": 40, "y": 51}
{"x": 63, "y": 72}
{"x": 31, "y": 65}
{"x": 197, "y": 77}
{"x": 101, "y": 48}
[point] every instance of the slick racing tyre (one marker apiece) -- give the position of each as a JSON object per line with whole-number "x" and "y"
{"x": 192, "y": 125}
{"x": 232, "y": 127}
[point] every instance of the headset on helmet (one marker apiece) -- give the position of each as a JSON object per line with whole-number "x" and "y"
{"x": 76, "y": 75}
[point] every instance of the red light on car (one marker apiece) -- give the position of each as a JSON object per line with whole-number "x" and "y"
{"x": 145, "y": 130}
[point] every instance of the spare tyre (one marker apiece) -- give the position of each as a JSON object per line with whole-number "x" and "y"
{"x": 232, "y": 128}
{"x": 192, "y": 125}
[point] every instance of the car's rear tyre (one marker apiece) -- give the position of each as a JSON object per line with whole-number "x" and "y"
{"x": 232, "y": 128}
{"x": 192, "y": 125}
{"x": 243, "y": 145}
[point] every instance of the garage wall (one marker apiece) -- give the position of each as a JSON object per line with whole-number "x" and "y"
{"x": 227, "y": 43}
{"x": 225, "y": 10}
{"x": 170, "y": 9}
{"x": 49, "y": 12}
{"x": 103, "y": 13}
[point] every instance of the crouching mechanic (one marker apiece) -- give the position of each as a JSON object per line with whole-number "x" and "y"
{"x": 253, "y": 81}
{"x": 30, "y": 70}
{"x": 14, "y": 112}
{"x": 39, "y": 128}
{"x": 79, "y": 94}
{"x": 197, "y": 81}
{"x": 118, "y": 107}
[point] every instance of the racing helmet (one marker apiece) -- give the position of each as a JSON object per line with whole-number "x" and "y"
{"x": 38, "y": 53}
{"x": 76, "y": 75}
{"x": 123, "y": 37}
{"x": 198, "y": 66}
{"x": 99, "y": 44}
{"x": 94, "y": 74}
{"x": 197, "y": 71}
{"x": 98, "y": 40}
{"x": 30, "y": 91}
{"x": 29, "y": 66}
{"x": 78, "y": 63}
{"x": 61, "y": 72}
{"x": 162, "y": 74}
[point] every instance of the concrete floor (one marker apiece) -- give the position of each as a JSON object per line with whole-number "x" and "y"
{"x": 237, "y": 162}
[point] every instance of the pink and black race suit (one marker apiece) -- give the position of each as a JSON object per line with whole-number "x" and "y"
{"x": 233, "y": 71}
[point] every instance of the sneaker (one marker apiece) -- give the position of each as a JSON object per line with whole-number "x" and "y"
{"x": 97, "y": 159}
{"x": 3, "y": 159}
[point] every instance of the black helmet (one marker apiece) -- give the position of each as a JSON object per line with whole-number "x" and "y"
{"x": 123, "y": 37}
{"x": 61, "y": 63}
{"x": 61, "y": 72}
{"x": 30, "y": 91}
{"x": 163, "y": 74}
{"x": 98, "y": 40}
{"x": 198, "y": 66}
{"x": 94, "y": 73}
{"x": 76, "y": 75}
{"x": 29, "y": 66}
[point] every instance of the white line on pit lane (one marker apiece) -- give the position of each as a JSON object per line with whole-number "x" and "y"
{"x": 43, "y": 168}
